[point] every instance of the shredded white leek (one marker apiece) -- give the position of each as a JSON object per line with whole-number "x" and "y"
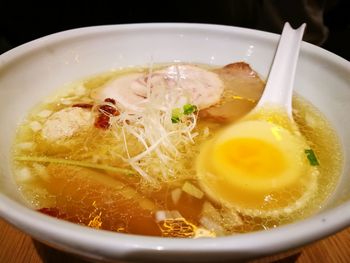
{"x": 164, "y": 142}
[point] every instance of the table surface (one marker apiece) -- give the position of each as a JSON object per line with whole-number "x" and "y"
{"x": 18, "y": 247}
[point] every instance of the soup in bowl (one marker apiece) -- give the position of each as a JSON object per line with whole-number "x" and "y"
{"x": 135, "y": 131}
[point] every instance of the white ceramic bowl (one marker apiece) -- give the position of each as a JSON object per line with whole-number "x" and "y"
{"x": 32, "y": 71}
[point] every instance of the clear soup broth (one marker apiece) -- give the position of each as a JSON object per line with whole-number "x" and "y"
{"x": 118, "y": 151}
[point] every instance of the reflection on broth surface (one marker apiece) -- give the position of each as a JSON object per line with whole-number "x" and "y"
{"x": 125, "y": 151}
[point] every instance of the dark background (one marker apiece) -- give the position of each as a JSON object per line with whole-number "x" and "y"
{"x": 22, "y": 22}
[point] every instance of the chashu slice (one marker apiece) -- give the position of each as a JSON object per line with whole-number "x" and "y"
{"x": 244, "y": 88}
{"x": 204, "y": 87}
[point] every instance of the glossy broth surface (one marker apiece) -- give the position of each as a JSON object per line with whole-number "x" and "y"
{"x": 77, "y": 179}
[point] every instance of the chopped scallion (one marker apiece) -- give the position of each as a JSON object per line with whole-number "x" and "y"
{"x": 75, "y": 163}
{"x": 176, "y": 115}
{"x": 175, "y": 119}
{"x": 189, "y": 108}
{"x": 311, "y": 157}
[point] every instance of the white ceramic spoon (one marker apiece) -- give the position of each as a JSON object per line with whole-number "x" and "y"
{"x": 279, "y": 87}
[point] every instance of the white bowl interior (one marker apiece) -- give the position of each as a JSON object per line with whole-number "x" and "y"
{"x": 31, "y": 72}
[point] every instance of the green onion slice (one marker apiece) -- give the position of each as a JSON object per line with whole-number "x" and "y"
{"x": 74, "y": 163}
{"x": 311, "y": 156}
{"x": 176, "y": 115}
{"x": 189, "y": 108}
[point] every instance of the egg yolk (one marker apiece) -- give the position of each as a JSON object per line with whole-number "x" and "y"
{"x": 252, "y": 157}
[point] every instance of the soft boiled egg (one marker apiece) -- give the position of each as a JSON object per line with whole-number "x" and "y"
{"x": 256, "y": 166}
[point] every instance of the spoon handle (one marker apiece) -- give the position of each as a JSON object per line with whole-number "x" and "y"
{"x": 279, "y": 86}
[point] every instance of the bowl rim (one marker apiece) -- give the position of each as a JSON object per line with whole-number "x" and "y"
{"x": 262, "y": 242}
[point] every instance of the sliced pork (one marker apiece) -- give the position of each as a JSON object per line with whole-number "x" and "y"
{"x": 203, "y": 87}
